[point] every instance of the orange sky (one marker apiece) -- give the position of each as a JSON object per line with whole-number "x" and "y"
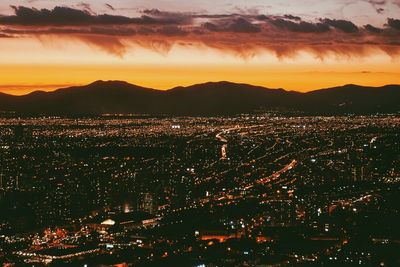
{"x": 64, "y": 64}
{"x": 275, "y": 51}
{"x": 20, "y": 80}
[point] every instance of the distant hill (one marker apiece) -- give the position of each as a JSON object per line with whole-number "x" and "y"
{"x": 201, "y": 99}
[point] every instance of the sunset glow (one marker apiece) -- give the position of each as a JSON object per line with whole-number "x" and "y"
{"x": 45, "y": 46}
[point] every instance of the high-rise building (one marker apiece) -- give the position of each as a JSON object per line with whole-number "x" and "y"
{"x": 224, "y": 152}
{"x": 147, "y": 203}
{"x": 1, "y": 181}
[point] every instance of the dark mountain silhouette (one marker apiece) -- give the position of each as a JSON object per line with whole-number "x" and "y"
{"x": 354, "y": 99}
{"x": 202, "y": 99}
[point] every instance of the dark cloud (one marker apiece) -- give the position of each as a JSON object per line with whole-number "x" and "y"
{"x": 59, "y": 15}
{"x": 377, "y": 2}
{"x": 324, "y": 25}
{"x": 112, "y": 31}
{"x": 243, "y": 26}
{"x": 71, "y": 16}
{"x": 145, "y": 31}
{"x": 91, "y": 30}
{"x": 212, "y": 27}
{"x": 373, "y": 29}
{"x": 343, "y": 25}
{"x": 169, "y": 17}
{"x": 394, "y": 23}
{"x": 238, "y": 25}
{"x": 301, "y": 26}
{"x": 172, "y": 31}
{"x": 291, "y": 17}
{"x": 213, "y": 16}
{"x": 244, "y": 34}
{"x": 110, "y": 7}
{"x": 86, "y": 7}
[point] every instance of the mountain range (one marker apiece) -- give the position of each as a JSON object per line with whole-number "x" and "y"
{"x": 211, "y": 98}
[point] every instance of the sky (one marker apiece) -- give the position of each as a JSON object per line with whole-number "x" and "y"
{"x": 297, "y": 45}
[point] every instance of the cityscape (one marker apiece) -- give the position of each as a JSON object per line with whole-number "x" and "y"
{"x": 248, "y": 190}
{"x": 199, "y": 133}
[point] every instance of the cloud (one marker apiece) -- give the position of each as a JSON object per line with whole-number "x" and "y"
{"x": 343, "y": 25}
{"x": 110, "y": 44}
{"x": 57, "y": 16}
{"x": 172, "y": 31}
{"x": 373, "y": 29}
{"x": 291, "y": 17}
{"x": 168, "y": 17}
{"x": 212, "y": 27}
{"x": 301, "y": 26}
{"x": 377, "y": 2}
{"x": 3, "y": 35}
{"x": 232, "y": 24}
{"x": 244, "y": 35}
{"x": 394, "y": 23}
{"x": 86, "y": 7}
{"x": 110, "y": 7}
{"x": 70, "y": 16}
{"x": 243, "y": 26}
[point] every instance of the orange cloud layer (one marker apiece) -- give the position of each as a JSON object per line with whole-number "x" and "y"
{"x": 243, "y": 35}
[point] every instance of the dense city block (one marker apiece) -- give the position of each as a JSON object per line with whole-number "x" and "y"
{"x": 249, "y": 190}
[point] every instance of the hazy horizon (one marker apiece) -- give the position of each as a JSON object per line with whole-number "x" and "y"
{"x": 23, "y": 90}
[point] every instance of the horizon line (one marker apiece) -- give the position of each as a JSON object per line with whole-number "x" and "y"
{"x": 70, "y": 86}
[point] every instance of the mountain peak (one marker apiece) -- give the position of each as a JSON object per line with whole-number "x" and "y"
{"x": 210, "y": 98}
{"x": 106, "y": 87}
{"x": 99, "y": 82}
{"x": 108, "y": 82}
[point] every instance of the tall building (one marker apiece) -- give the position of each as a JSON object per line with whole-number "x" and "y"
{"x": 1, "y": 181}
{"x": 1, "y": 185}
{"x": 147, "y": 203}
{"x": 61, "y": 203}
{"x": 224, "y": 152}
